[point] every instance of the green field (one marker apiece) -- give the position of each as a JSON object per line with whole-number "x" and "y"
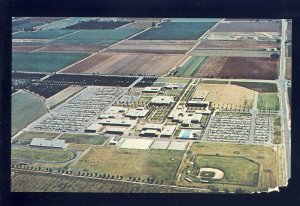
{"x": 214, "y": 82}
{"x": 176, "y": 31}
{"x": 45, "y": 34}
{"x": 43, "y": 61}
{"x": 231, "y": 166}
{"x": 159, "y": 164}
{"x": 172, "y": 80}
{"x": 268, "y": 102}
{"x": 26, "y": 137}
{"x": 172, "y": 92}
{"x": 192, "y": 67}
{"x": 277, "y": 136}
{"x": 25, "y": 109}
{"x": 257, "y": 86}
{"x": 97, "y": 37}
{"x": 41, "y": 154}
{"x": 83, "y": 139}
{"x": 25, "y": 26}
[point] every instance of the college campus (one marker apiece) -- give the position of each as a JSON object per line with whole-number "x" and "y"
{"x": 142, "y": 105}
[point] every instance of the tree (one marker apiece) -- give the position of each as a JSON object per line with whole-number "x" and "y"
{"x": 153, "y": 24}
{"x": 78, "y": 173}
{"x": 239, "y": 191}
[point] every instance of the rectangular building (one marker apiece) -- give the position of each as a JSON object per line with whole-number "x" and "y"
{"x": 53, "y": 143}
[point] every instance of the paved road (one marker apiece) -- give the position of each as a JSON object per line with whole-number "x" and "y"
{"x": 282, "y": 86}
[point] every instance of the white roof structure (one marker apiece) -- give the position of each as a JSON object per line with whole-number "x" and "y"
{"x": 174, "y": 145}
{"x": 152, "y": 89}
{"x": 138, "y": 112}
{"x": 171, "y": 86}
{"x": 121, "y": 122}
{"x": 150, "y": 132}
{"x": 112, "y": 112}
{"x": 185, "y": 117}
{"x": 40, "y": 142}
{"x": 168, "y": 130}
{"x": 162, "y": 100}
{"x": 116, "y": 129}
{"x": 137, "y": 143}
{"x": 93, "y": 127}
{"x": 153, "y": 126}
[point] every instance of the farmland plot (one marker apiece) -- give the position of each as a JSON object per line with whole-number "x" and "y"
{"x": 247, "y": 27}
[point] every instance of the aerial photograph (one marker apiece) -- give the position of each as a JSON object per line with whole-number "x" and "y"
{"x": 150, "y": 105}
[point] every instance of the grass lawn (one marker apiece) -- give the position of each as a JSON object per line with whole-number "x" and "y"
{"x": 214, "y": 82}
{"x": 25, "y": 109}
{"x": 192, "y": 67}
{"x": 83, "y": 139}
{"x": 41, "y": 154}
{"x": 268, "y": 101}
{"x": 26, "y": 137}
{"x": 231, "y": 166}
{"x": 172, "y": 92}
{"x": 159, "y": 164}
{"x": 43, "y": 61}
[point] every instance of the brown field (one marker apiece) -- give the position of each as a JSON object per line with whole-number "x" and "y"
{"x": 232, "y": 44}
{"x": 247, "y": 27}
{"x": 62, "y": 95}
{"x": 241, "y": 68}
{"x": 153, "y": 46}
{"x": 288, "y": 74}
{"x": 71, "y": 48}
{"x": 24, "y": 48}
{"x": 125, "y": 64}
{"x": 228, "y": 94}
{"x": 263, "y": 155}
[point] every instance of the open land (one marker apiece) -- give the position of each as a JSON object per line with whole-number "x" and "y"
{"x": 230, "y": 52}
{"x": 191, "y": 67}
{"x": 148, "y": 64}
{"x": 237, "y": 44}
{"x": 240, "y": 68}
{"x": 25, "y": 109}
{"x": 83, "y": 139}
{"x": 288, "y": 74}
{"x": 247, "y": 27}
{"x": 26, "y": 137}
{"x": 257, "y": 86}
{"x": 268, "y": 101}
{"x": 159, "y": 164}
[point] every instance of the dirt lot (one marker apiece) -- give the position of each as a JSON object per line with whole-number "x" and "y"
{"x": 247, "y": 27}
{"x": 147, "y": 64}
{"x": 228, "y": 94}
{"x": 72, "y": 48}
{"x": 237, "y": 44}
{"x": 153, "y": 46}
{"x": 288, "y": 74}
{"x": 240, "y": 68}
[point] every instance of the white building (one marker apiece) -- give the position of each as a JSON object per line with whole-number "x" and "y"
{"x": 93, "y": 128}
{"x": 53, "y": 143}
{"x": 138, "y": 112}
{"x": 168, "y": 130}
{"x": 162, "y": 100}
{"x": 152, "y": 89}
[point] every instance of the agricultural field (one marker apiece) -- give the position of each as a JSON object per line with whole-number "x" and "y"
{"x": 95, "y": 24}
{"x": 172, "y": 80}
{"x": 45, "y": 34}
{"x": 26, "y": 181}
{"x": 40, "y": 154}
{"x": 288, "y": 72}
{"x": 236, "y": 44}
{"x": 268, "y": 101}
{"x": 25, "y": 26}
{"x": 96, "y": 37}
{"x": 83, "y": 139}
{"x": 66, "y": 48}
{"x": 43, "y": 62}
{"x": 26, "y": 48}
{"x": 26, "y": 137}
{"x": 25, "y": 109}
{"x": 159, "y": 164}
{"x": 230, "y": 53}
{"x": 176, "y": 31}
{"x": 208, "y": 81}
{"x": 257, "y": 86}
{"x": 240, "y": 68}
{"x": 126, "y": 64}
{"x": 141, "y": 23}
{"x": 258, "y": 162}
{"x": 192, "y": 67}
{"x": 247, "y": 27}
{"x": 153, "y": 46}
{"x": 62, "y": 96}
{"x": 228, "y": 94}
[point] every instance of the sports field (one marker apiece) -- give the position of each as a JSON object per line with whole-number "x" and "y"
{"x": 41, "y": 154}
{"x": 192, "y": 67}
{"x": 220, "y": 94}
{"x": 25, "y": 109}
{"x": 241, "y": 164}
{"x": 43, "y": 61}
{"x": 159, "y": 164}
{"x": 268, "y": 102}
{"x": 83, "y": 139}
{"x": 231, "y": 166}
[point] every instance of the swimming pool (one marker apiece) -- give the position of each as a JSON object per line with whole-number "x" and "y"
{"x": 186, "y": 134}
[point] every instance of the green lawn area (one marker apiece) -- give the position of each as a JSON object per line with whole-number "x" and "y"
{"x": 45, "y": 34}
{"x": 25, "y": 109}
{"x": 192, "y": 67}
{"x": 172, "y": 80}
{"x": 277, "y": 130}
{"x": 41, "y": 154}
{"x": 268, "y": 101}
{"x": 83, "y": 139}
{"x": 43, "y": 61}
{"x": 214, "y": 82}
{"x": 159, "y": 164}
{"x": 172, "y": 92}
{"x": 26, "y": 137}
{"x": 237, "y": 170}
